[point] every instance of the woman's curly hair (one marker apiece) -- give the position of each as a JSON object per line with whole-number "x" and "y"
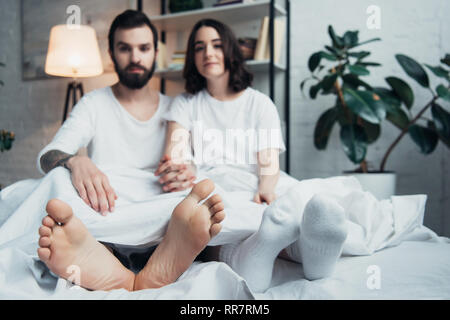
{"x": 240, "y": 77}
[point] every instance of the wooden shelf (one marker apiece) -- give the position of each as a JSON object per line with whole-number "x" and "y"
{"x": 234, "y": 13}
{"x": 253, "y": 65}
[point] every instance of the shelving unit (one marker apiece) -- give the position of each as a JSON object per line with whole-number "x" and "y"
{"x": 253, "y": 65}
{"x": 236, "y": 13}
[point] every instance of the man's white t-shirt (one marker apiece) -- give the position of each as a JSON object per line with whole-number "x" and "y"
{"x": 110, "y": 133}
{"x": 228, "y": 132}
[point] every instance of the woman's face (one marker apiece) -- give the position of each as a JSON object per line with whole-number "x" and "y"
{"x": 209, "y": 58}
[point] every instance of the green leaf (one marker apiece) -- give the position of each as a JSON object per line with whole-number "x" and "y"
{"x": 323, "y": 127}
{"x": 402, "y": 90}
{"x": 359, "y": 55}
{"x": 314, "y": 61}
{"x": 313, "y": 90}
{"x": 354, "y": 81}
{"x": 334, "y": 51}
{"x": 392, "y": 104}
{"x": 446, "y": 59}
{"x": 443, "y": 92}
{"x": 398, "y": 118}
{"x": 354, "y": 142}
{"x": 328, "y": 56}
{"x": 350, "y": 38}
{"x": 369, "y": 64}
{"x": 358, "y": 70}
{"x": 365, "y": 105}
{"x": 413, "y": 69}
{"x": 424, "y": 137}
{"x": 441, "y": 120}
{"x": 328, "y": 81}
{"x": 389, "y": 97}
{"x": 337, "y": 41}
{"x": 372, "y": 131}
{"x": 439, "y": 71}
{"x": 365, "y": 42}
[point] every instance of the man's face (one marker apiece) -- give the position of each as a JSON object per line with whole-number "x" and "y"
{"x": 134, "y": 56}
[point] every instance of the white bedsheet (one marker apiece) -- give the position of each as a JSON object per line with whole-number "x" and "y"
{"x": 142, "y": 213}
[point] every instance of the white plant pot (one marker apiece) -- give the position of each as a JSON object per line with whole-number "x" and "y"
{"x": 381, "y": 184}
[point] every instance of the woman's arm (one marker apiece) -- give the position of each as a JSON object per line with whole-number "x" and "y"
{"x": 269, "y": 173}
{"x": 176, "y": 168}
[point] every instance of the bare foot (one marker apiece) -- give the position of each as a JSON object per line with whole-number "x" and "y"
{"x": 71, "y": 252}
{"x": 190, "y": 229}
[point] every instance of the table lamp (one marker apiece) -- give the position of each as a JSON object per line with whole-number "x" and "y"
{"x": 73, "y": 52}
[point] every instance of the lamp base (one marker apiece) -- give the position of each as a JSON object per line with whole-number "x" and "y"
{"x": 72, "y": 89}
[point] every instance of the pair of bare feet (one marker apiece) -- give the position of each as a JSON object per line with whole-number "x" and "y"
{"x": 67, "y": 246}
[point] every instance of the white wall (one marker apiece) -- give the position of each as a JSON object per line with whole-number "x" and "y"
{"x": 33, "y": 109}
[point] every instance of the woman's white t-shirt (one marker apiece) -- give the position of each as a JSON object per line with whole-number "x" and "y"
{"x": 111, "y": 134}
{"x": 228, "y": 132}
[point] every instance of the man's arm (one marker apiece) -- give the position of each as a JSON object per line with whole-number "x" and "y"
{"x": 53, "y": 159}
{"x": 92, "y": 184}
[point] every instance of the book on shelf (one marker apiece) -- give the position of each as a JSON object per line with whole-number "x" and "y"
{"x": 228, "y": 2}
{"x": 262, "y": 50}
{"x": 177, "y": 60}
{"x": 161, "y": 59}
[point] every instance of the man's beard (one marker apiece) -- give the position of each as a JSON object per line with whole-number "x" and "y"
{"x": 134, "y": 80}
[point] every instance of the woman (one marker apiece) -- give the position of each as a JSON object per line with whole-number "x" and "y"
{"x": 219, "y": 112}
{"x": 228, "y": 122}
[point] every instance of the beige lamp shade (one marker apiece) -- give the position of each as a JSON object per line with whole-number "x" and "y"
{"x": 73, "y": 52}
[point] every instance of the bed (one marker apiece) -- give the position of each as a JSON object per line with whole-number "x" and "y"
{"x": 388, "y": 254}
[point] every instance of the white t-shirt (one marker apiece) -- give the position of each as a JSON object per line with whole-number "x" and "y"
{"x": 228, "y": 132}
{"x": 111, "y": 134}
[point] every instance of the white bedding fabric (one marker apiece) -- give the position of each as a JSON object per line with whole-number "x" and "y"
{"x": 417, "y": 266}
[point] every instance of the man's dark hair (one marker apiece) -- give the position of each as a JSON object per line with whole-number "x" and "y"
{"x": 240, "y": 77}
{"x": 131, "y": 19}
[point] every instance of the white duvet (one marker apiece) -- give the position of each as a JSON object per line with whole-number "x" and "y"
{"x": 141, "y": 216}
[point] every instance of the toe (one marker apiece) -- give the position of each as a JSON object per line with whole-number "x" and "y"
{"x": 215, "y": 229}
{"x": 217, "y": 208}
{"x": 213, "y": 200}
{"x": 44, "y": 254}
{"x": 60, "y": 211}
{"x": 45, "y": 231}
{"x": 218, "y": 217}
{"x": 44, "y": 242}
{"x": 202, "y": 189}
{"x": 48, "y": 222}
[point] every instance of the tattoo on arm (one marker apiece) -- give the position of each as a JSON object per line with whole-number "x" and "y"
{"x": 53, "y": 159}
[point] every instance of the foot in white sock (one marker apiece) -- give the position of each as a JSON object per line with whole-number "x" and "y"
{"x": 254, "y": 257}
{"x": 322, "y": 234}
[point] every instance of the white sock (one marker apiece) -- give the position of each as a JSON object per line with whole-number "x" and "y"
{"x": 322, "y": 234}
{"x": 253, "y": 258}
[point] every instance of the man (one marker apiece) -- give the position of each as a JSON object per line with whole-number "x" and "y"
{"x": 121, "y": 125}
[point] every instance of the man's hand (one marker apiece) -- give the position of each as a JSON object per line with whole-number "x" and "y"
{"x": 92, "y": 184}
{"x": 175, "y": 177}
{"x": 264, "y": 196}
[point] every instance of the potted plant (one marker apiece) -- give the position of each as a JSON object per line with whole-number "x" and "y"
{"x": 359, "y": 108}
{"x": 6, "y": 137}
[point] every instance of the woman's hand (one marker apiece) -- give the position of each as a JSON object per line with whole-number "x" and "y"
{"x": 264, "y": 196}
{"x": 175, "y": 177}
